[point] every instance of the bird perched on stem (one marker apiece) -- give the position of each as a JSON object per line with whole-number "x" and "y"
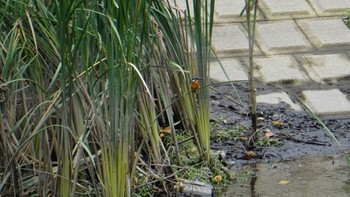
{"x": 195, "y": 84}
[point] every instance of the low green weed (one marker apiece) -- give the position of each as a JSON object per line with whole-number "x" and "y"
{"x": 347, "y": 19}
{"x": 221, "y": 131}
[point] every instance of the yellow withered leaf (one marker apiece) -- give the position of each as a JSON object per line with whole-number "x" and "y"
{"x": 179, "y": 184}
{"x": 177, "y": 178}
{"x": 244, "y": 138}
{"x": 277, "y": 123}
{"x": 217, "y": 178}
{"x": 283, "y": 182}
{"x": 251, "y": 154}
{"x": 136, "y": 181}
{"x": 164, "y": 131}
{"x": 248, "y": 155}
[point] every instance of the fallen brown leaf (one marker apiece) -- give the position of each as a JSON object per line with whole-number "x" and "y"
{"x": 268, "y": 134}
{"x": 277, "y": 123}
{"x": 164, "y": 131}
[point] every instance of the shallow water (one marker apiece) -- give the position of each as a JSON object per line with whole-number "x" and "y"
{"x": 311, "y": 176}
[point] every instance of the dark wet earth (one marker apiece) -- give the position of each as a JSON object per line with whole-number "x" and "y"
{"x": 298, "y": 133}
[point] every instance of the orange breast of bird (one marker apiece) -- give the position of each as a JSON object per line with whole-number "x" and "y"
{"x": 194, "y": 85}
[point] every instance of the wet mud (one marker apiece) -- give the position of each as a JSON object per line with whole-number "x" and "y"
{"x": 297, "y": 132}
{"x": 325, "y": 175}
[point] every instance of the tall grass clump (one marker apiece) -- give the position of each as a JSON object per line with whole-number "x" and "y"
{"x": 87, "y": 87}
{"x": 201, "y": 31}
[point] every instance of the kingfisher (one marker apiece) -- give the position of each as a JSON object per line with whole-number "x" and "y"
{"x": 195, "y": 84}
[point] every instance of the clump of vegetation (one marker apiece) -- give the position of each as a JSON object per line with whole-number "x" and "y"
{"x": 347, "y": 19}
{"x": 267, "y": 141}
{"x": 193, "y": 168}
{"x": 221, "y": 131}
{"x": 87, "y": 86}
{"x": 212, "y": 172}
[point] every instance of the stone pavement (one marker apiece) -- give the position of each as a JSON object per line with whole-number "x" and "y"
{"x": 299, "y": 43}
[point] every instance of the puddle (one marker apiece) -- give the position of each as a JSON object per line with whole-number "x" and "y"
{"x": 307, "y": 177}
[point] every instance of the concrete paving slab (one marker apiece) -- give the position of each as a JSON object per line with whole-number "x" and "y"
{"x": 330, "y": 7}
{"x": 229, "y": 11}
{"x": 279, "y": 69}
{"x": 277, "y": 9}
{"x": 327, "y": 103}
{"x": 281, "y": 37}
{"x": 326, "y": 34}
{"x": 232, "y": 68}
{"x": 328, "y": 67}
{"x": 229, "y": 8}
{"x": 276, "y": 98}
{"x": 230, "y": 40}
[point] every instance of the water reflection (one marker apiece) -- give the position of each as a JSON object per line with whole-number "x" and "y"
{"x": 307, "y": 177}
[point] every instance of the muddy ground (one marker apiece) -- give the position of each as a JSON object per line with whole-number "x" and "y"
{"x": 299, "y": 133}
